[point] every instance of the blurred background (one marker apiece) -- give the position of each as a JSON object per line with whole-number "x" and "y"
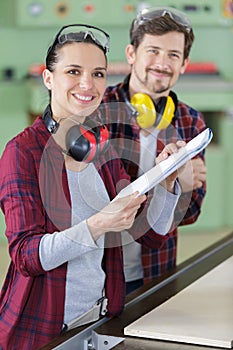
{"x": 26, "y": 30}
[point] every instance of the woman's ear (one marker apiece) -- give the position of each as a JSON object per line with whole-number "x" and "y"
{"x": 47, "y": 78}
{"x": 130, "y": 54}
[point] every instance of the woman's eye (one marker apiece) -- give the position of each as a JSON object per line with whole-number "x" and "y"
{"x": 73, "y": 71}
{"x": 99, "y": 74}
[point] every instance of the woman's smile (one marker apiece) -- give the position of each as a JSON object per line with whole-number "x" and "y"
{"x": 83, "y": 98}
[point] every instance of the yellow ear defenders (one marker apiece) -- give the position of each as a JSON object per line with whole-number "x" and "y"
{"x": 148, "y": 115}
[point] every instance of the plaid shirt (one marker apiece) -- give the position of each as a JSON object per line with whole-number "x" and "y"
{"x": 125, "y": 133}
{"x": 35, "y": 200}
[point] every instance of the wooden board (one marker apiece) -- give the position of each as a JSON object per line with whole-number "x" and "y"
{"x": 202, "y": 313}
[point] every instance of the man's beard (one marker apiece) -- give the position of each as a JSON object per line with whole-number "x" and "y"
{"x": 157, "y": 87}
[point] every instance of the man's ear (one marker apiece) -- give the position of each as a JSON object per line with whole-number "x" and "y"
{"x": 130, "y": 54}
{"x": 184, "y": 66}
{"x": 47, "y": 77}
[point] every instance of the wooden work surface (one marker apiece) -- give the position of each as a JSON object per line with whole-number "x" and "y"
{"x": 202, "y": 313}
{"x": 146, "y": 298}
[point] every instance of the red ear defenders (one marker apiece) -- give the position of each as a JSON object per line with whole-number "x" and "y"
{"x": 148, "y": 115}
{"x": 85, "y": 142}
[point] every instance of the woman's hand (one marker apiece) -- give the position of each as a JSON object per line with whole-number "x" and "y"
{"x": 169, "y": 149}
{"x": 117, "y": 216}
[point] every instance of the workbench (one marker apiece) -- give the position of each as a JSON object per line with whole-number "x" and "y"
{"x": 146, "y": 299}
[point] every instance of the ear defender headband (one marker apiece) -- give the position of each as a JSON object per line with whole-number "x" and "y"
{"x": 148, "y": 115}
{"x": 84, "y": 142}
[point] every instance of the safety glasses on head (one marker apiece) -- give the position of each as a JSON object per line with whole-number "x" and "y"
{"x": 80, "y": 33}
{"x": 148, "y": 14}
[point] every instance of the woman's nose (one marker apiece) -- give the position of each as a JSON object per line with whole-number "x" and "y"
{"x": 86, "y": 82}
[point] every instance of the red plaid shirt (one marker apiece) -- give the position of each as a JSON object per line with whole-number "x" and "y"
{"x": 35, "y": 200}
{"x": 125, "y": 134}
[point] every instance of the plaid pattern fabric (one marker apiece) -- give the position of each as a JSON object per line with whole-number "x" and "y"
{"x": 35, "y": 200}
{"x": 125, "y": 135}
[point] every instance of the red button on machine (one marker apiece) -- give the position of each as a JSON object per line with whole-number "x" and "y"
{"x": 89, "y": 8}
{"x": 128, "y": 8}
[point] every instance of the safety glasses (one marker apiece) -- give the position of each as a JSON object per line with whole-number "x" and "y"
{"x": 80, "y": 33}
{"x": 155, "y": 12}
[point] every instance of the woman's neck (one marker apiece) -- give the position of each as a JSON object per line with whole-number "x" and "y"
{"x": 73, "y": 164}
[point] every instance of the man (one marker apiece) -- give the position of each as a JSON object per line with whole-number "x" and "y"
{"x": 161, "y": 40}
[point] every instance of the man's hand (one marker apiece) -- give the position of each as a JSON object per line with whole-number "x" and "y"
{"x": 192, "y": 175}
{"x": 169, "y": 149}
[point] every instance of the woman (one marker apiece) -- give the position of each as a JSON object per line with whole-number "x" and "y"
{"x": 57, "y": 184}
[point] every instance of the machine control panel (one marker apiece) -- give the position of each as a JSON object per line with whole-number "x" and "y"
{"x": 56, "y": 12}
{"x": 116, "y": 13}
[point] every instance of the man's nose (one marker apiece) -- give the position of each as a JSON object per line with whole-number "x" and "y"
{"x": 161, "y": 61}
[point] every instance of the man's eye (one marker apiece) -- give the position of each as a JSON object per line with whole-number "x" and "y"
{"x": 174, "y": 55}
{"x": 153, "y": 51}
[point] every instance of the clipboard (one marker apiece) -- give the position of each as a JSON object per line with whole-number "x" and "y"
{"x": 162, "y": 170}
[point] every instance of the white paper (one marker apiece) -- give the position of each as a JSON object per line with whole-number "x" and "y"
{"x": 161, "y": 171}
